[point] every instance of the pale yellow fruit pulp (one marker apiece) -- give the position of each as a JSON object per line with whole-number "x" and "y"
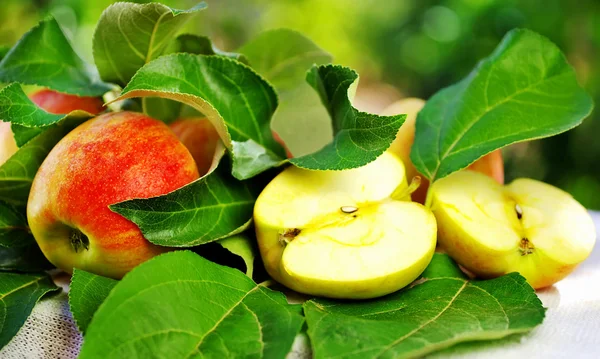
{"x": 526, "y": 226}
{"x": 340, "y": 234}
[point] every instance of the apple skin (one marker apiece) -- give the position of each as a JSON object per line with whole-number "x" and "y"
{"x": 8, "y": 145}
{"x": 60, "y": 103}
{"x": 491, "y": 164}
{"x": 200, "y": 137}
{"x": 109, "y": 159}
{"x": 53, "y": 102}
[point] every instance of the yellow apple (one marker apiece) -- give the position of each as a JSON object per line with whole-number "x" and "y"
{"x": 490, "y": 164}
{"x": 344, "y": 234}
{"x": 526, "y": 226}
{"x": 8, "y": 145}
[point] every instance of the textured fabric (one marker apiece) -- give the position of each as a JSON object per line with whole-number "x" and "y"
{"x": 570, "y": 329}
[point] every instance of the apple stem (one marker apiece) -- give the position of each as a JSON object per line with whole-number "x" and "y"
{"x": 403, "y": 194}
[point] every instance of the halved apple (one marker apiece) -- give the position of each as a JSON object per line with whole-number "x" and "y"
{"x": 526, "y": 226}
{"x": 344, "y": 234}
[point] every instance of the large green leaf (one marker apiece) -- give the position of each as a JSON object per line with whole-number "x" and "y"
{"x": 44, "y": 57}
{"x": 213, "y": 207}
{"x": 14, "y": 231}
{"x": 169, "y": 110}
{"x": 129, "y": 35}
{"x": 283, "y": 57}
{"x": 179, "y": 305}
{"x": 18, "y": 249}
{"x": 359, "y": 137}
{"x": 86, "y": 293}
{"x": 237, "y": 101}
{"x": 18, "y": 295}
{"x": 525, "y": 90}
{"x": 441, "y": 309}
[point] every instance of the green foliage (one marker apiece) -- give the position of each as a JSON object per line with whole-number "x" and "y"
{"x": 439, "y": 310}
{"x": 44, "y": 57}
{"x": 241, "y": 245}
{"x": 180, "y": 305}
{"x": 359, "y": 137}
{"x": 86, "y": 293}
{"x": 18, "y": 295}
{"x": 237, "y": 101}
{"x": 129, "y": 35}
{"x": 214, "y": 207}
{"x": 524, "y": 90}
{"x": 283, "y": 57}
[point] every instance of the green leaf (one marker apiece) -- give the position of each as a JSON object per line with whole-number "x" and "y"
{"x": 212, "y": 207}
{"x": 3, "y": 51}
{"x": 441, "y": 309}
{"x": 169, "y": 110}
{"x": 14, "y": 231}
{"x": 16, "y": 174}
{"x": 359, "y": 137}
{"x": 201, "y": 45}
{"x": 18, "y": 295}
{"x": 179, "y": 305}
{"x": 86, "y": 293}
{"x": 129, "y": 35}
{"x": 25, "y": 258}
{"x": 237, "y": 101}
{"x": 44, "y": 57}
{"x": 524, "y": 90}
{"x": 241, "y": 245}
{"x": 283, "y": 57}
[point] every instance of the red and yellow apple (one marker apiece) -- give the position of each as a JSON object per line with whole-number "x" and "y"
{"x": 491, "y": 164}
{"x": 61, "y": 103}
{"x": 200, "y": 137}
{"x": 53, "y": 102}
{"x": 111, "y": 158}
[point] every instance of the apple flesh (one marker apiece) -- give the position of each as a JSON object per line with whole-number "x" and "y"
{"x": 344, "y": 234}
{"x": 53, "y": 102}
{"x": 491, "y": 164}
{"x": 106, "y": 160}
{"x": 526, "y": 226}
{"x": 200, "y": 137}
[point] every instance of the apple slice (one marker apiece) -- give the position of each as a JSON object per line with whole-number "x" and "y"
{"x": 526, "y": 226}
{"x": 344, "y": 234}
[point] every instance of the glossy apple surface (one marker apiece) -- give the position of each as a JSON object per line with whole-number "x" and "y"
{"x": 344, "y": 234}
{"x": 526, "y": 226}
{"x": 106, "y": 160}
{"x": 200, "y": 137}
{"x": 491, "y": 164}
{"x": 60, "y": 103}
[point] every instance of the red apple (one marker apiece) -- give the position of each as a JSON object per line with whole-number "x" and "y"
{"x": 200, "y": 137}
{"x": 60, "y": 103}
{"x": 111, "y": 158}
{"x": 491, "y": 164}
{"x": 53, "y": 102}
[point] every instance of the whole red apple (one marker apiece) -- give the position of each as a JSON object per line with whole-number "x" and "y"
{"x": 200, "y": 137}
{"x": 53, "y": 102}
{"x": 111, "y": 158}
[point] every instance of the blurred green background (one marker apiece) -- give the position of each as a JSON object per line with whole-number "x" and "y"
{"x": 400, "y": 48}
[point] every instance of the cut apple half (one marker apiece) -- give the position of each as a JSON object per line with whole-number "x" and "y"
{"x": 526, "y": 226}
{"x": 344, "y": 234}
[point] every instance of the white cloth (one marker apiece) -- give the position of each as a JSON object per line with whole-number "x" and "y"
{"x": 571, "y": 327}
